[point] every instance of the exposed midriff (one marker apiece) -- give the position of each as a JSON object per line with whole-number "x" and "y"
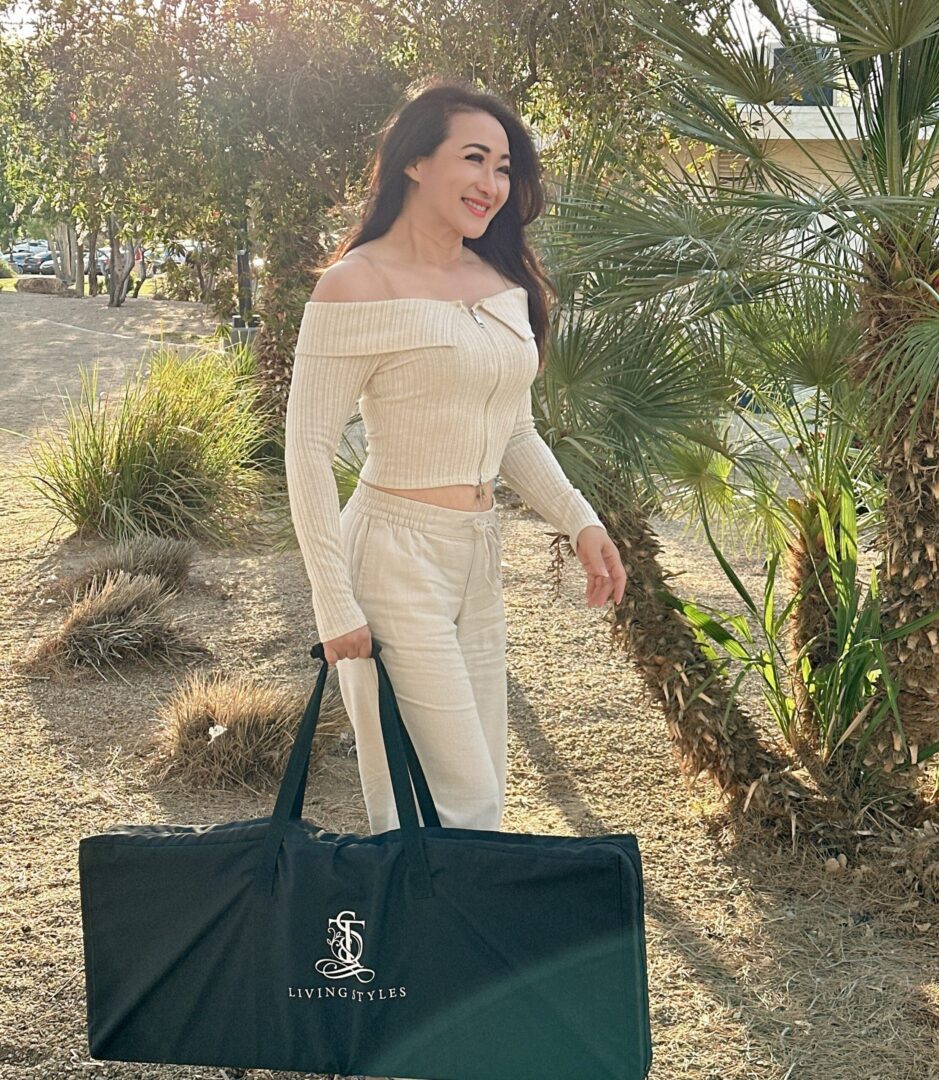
{"x": 452, "y": 496}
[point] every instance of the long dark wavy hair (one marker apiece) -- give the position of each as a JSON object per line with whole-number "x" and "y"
{"x": 415, "y": 129}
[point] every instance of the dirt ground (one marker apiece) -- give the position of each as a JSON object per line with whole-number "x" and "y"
{"x": 761, "y": 965}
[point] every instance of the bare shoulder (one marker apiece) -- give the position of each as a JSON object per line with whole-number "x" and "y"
{"x": 350, "y": 278}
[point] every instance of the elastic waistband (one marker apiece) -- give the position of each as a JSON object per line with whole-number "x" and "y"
{"x": 421, "y": 515}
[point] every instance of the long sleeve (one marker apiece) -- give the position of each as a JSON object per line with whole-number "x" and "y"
{"x": 529, "y": 468}
{"x": 323, "y": 393}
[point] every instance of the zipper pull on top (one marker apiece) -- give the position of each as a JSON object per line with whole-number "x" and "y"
{"x": 475, "y": 315}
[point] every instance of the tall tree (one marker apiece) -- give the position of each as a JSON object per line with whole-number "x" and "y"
{"x": 866, "y": 214}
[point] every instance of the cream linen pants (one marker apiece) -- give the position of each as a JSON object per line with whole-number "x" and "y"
{"x": 429, "y": 581}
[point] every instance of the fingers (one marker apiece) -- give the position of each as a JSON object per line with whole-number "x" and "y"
{"x": 619, "y": 583}
{"x": 600, "y": 587}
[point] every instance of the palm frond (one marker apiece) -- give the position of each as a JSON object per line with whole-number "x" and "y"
{"x": 906, "y": 369}
{"x": 801, "y": 336}
{"x": 869, "y": 28}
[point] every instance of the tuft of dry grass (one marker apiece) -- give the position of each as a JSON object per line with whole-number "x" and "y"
{"x": 119, "y": 618}
{"x": 230, "y": 730}
{"x": 916, "y": 857}
{"x": 162, "y": 557}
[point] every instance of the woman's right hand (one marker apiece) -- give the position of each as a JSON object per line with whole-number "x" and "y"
{"x": 357, "y": 643}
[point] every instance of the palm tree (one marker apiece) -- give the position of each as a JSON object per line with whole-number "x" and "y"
{"x": 868, "y": 219}
{"x": 792, "y": 352}
{"x": 618, "y": 391}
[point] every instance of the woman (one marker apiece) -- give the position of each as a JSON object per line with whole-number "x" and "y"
{"x": 433, "y": 313}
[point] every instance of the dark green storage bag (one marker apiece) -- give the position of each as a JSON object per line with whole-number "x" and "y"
{"x": 424, "y": 951}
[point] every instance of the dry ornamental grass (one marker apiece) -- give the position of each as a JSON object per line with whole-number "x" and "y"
{"x": 227, "y": 730}
{"x": 114, "y": 619}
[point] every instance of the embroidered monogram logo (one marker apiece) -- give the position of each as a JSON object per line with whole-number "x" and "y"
{"x": 346, "y": 945}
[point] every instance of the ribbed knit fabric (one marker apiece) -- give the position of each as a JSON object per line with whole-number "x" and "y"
{"x": 444, "y": 391}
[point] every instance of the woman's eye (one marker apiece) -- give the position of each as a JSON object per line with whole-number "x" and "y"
{"x": 478, "y": 157}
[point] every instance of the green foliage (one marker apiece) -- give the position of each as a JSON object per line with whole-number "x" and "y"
{"x": 851, "y": 694}
{"x": 787, "y": 424}
{"x": 169, "y": 457}
{"x": 267, "y": 452}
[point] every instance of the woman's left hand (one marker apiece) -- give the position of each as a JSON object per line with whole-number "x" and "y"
{"x": 601, "y": 561}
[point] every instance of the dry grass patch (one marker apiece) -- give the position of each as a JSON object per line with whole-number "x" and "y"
{"x": 118, "y": 619}
{"x": 164, "y": 558}
{"x": 917, "y": 858}
{"x": 228, "y": 730}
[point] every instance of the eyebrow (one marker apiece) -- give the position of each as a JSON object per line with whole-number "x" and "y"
{"x": 481, "y": 146}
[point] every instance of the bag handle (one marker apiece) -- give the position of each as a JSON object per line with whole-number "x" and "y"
{"x": 403, "y": 765}
{"x": 390, "y": 729}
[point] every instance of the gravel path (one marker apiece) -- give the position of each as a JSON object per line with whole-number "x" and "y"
{"x": 762, "y": 967}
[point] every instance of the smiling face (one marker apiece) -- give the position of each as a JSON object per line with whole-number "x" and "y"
{"x": 465, "y": 182}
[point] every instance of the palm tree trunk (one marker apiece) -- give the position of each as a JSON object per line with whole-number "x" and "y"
{"x": 809, "y": 630}
{"x": 709, "y": 733}
{"x": 910, "y": 536}
{"x": 911, "y": 584}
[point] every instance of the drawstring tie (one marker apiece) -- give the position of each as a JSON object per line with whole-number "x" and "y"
{"x": 489, "y": 529}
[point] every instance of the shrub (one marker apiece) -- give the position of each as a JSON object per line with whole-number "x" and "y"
{"x": 168, "y": 458}
{"x": 268, "y": 451}
{"x": 116, "y": 619}
{"x": 851, "y": 693}
{"x": 167, "y": 560}
{"x": 226, "y": 729}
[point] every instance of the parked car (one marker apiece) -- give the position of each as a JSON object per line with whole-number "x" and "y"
{"x": 48, "y": 267}
{"x": 176, "y": 251}
{"x": 18, "y": 253}
{"x": 102, "y": 260}
{"x": 34, "y": 259}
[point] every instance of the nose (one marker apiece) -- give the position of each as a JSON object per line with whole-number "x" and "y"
{"x": 489, "y": 530}
{"x": 490, "y": 189}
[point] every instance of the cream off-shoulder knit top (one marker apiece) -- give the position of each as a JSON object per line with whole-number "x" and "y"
{"x": 444, "y": 391}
